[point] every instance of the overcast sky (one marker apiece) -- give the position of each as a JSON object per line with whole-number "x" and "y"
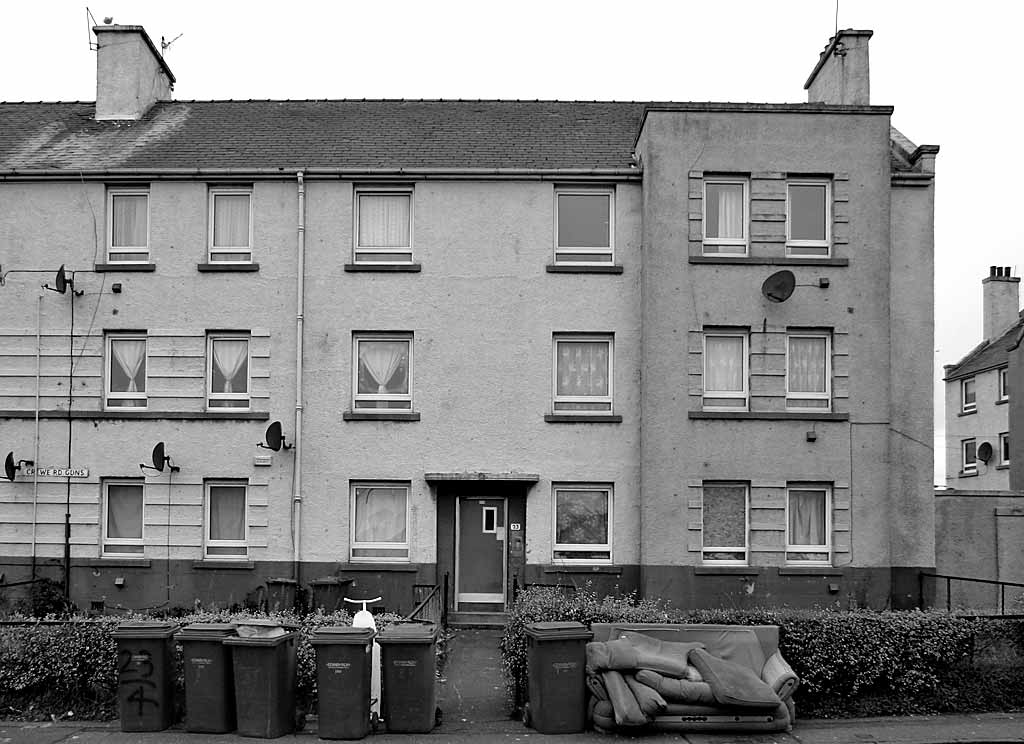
{"x": 950, "y": 70}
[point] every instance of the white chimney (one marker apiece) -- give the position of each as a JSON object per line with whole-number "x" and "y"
{"x": 841, "y": 75}
{"x": 131, "y": 75}
{"x": 1000, "y": 301}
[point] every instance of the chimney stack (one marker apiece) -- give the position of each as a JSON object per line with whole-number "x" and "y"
{"x": 1000, "y": 301}
{"x": 131, "y": 75}
{"x": 841, "y": 75}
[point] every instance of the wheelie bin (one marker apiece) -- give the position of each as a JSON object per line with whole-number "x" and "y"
{"x": 408, "y": 677}
{"x": 209, "y": 681}
{"x": 343, "y": 661}
{"x": 556, "y": 654}
{"x": 264, "y": 672}
{"x": 145, "y": 675}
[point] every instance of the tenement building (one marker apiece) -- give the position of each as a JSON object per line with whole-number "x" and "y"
{"x": 677, "y": 348}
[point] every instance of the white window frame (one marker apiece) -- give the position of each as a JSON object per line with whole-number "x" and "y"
{"x": 208, "y": 541}
{"x": 825, "y": 396}
{"x": 809, "y": 248}
{"x": 245, "y": 250}
{"x": 829, "y": 547}
{"x": 240, "y": 398}
{"x": 561, "y": 254}
{"x": 363, "y": 402}
{"x": 108, "y": 394}
{"x": 142, "y": 251}
{"x": 746, "y": 528}
{"x": 726, "y": 246}
{"x": 358, "y": 250}
{"x": 1003, "y": 384}
{"x": 967, "y": 468}
{"x": 1004, "y": 448}
{"x": 354, "y": 545}
{"x": 743, "y": 395}
{"x": 598, "y": 400}
{"x": 557, "y": 547}
{"x": 126, "y": 541}
{"x": 966, "y": 407}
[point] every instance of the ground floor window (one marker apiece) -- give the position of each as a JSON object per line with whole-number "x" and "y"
{"x": 724, "y": 522}
{"x": 123, "y": 522}
{"x": 380, "y": 518}
{"x": 226, "y": 521}
{"x": 583, "y": 523}
{"x": 809, "y": 524}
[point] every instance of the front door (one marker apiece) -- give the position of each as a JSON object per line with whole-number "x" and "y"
{"x": 480, "y": 552}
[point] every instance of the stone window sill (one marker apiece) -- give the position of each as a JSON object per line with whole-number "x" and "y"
{"x": 209, "y": 268}
{"x": 222, "y": 565}
{"x": 558, "y": 568}
{"x": 571, "y": 269}
{"x": 409, "y": 268}
{"x": 967, "y": 413}
{"x": 110, "y": 267}
{"x": 768, "y": 416}
{"x": 769, "y": 261}
{"x": 564, "y": 418}
{"x": 726, "y": 571}
{"x": 383, "y": 416}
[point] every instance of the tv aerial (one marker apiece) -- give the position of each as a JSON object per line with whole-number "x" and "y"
{"x": 275, "y": 439}
{"x": 160, "y": 460}
{"x": 12, "y": 466}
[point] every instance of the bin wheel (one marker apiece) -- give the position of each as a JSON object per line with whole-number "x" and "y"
{"x": 375, "y": 723}
{"x": 438, "y": 716}
{"x": 526, "y": 715}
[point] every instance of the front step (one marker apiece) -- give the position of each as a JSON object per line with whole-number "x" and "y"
{"x": 477, "y": 619}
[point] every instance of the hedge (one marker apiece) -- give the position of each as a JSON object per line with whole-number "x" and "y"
{"x": 68, "y": 669}
{"x": 851, "y": 663}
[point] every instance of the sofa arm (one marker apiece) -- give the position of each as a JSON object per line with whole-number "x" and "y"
{"x": 779, "y": 675}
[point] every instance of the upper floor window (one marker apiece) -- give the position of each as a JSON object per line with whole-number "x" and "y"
{"x": 809, "y": 371}
{"x": 383, "y": 225}
{"x": 725, "y": 522}
{"x": 123, "y": 521}
{"x": 126, "y": 370}
{"x": 584, "y": 226}
{"x": 726, "y": 373}
{"x": 227, "y": 370}
{"x": 968, "y": 456}
{"x": 968, "y": 396}
{"x": 808, "y": 218}
{"x": 809, "y": 524}
{"x": 583, "y": 519}
{"x": 583, "y": 374}
{"x": 128, "y": 225}
{"x": 1004, "y": 387}
{"x": 227, "y": 524}
{"x": 380, "y": 518}
{"x": 1004, "y": 448}
{"x": 725, "y": 216}
{"x": 230, "y": 225}
{"x": 383, "y": 372}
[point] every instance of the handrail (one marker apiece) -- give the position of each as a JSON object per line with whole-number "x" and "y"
{"x": 949, "y": 578}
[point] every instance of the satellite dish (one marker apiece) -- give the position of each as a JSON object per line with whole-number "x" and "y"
{"x": 779, "y": 286}
{"x": 159, "y": 458}
{"x": 985, "y": 452}
{"x": 61, "y": 281}
{"x": 9, "y": 467}
{"x": 274, "y": 436}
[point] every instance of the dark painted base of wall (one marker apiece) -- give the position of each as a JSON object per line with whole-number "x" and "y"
{"x": 157, "y": 585}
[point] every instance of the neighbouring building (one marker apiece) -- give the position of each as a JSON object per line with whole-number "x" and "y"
{"x": 673, "y": 348}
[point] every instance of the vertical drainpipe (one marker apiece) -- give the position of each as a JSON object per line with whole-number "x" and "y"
{"x": 35, "y": 458}
{"x": 299, "y": 301}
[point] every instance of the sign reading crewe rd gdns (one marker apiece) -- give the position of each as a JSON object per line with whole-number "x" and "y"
{"x": 58, "y": 472}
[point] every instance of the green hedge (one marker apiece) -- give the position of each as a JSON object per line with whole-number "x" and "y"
{"x": 68, "y": 669}
{"x": 856, "y": 663}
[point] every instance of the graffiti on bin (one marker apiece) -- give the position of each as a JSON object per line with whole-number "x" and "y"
{"x": 134, "y": 672}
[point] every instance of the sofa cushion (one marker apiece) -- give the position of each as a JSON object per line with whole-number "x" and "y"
{"x": 748, "y": 645}
{"x": 733, "y": 684}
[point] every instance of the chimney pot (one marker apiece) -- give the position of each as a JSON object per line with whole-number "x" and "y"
{"x": 1000, "y": 301}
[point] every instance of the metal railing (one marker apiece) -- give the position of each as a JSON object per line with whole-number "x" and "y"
{"x": 950, "y": 578}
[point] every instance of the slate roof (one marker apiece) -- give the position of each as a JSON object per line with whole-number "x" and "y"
{"x": 986, "y": 355}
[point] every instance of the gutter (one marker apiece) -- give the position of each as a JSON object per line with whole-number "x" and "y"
{"x": 158, "y": 174}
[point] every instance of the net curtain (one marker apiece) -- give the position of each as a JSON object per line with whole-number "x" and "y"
{"x": 124, "y": 512}
{"x": 381, "y": 360}
{"x": 227, "y": 513}
{"x": 130, "y": 357}
{"x": 380, "y": 515}
{"x": 229, "y": 356}
{"x": 807, "y": 365}
{"x": 807, "y": 517}
{"x": 231, "y": 221}
{"x": 130, "y": 221}
{"x": 723, "y": 366}
{"x": 582, "y": 368}
{"x": 384, "y": 220}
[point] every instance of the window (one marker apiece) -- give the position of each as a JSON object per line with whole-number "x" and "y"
{"x": 584, "y": 226}
{"x": 724, "y": 523}
{"x": 380, "y": 515}
{"x": 1004, "y": 448}
{"x": 808, "y": 217}
{"x": 126, "y": 370}
{"x": 725, "y": 371}
{"x": 968, "y": 456}
{"x": 583, "y": 374}
{"x": 383, "y": 225}
{"x": 227, "y": 365}
{"x": 725, "y": 217}
{"x": 809, "y": 372}
{"x": 583, "y": 524}
{"x": 383, "y": 372}
{"x": 968, "y": 396}
{"x": 230, "y": 225}
{"x": 809, "y": 525}
{"x": 123, "y": 518}
{"x": 128, "y": 226}
{"x": 227, "y": 526}
{"x": 1004, "y": 388}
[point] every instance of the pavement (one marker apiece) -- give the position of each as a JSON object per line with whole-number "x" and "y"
{"x": 472, "y": 698}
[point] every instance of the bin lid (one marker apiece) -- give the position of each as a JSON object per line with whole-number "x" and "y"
{"x": 558, "y": 631}
{"x": 145, "y": 629}
{"x": 205, "y": 632}
{"x": 409, "y": 633}
{"x": 275, "y": 641}
{"x": 342, "y": 634}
